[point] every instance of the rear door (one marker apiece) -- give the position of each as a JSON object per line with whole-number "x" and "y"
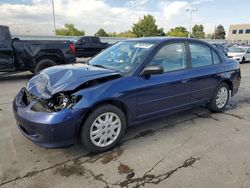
{"x": 6, "y": 51}
{"x": 88, "y": 47}
{"x": 94, "y": 45}
{"x": 80, "y": 46}
{"x": 165, "y": 92}
{"x": 205, "y": 73}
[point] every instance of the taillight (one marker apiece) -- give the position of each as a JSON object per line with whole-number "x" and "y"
{"x": 72, "y": 48}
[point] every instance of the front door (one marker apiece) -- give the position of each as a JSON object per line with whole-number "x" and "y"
{"x": 165, "y": 92}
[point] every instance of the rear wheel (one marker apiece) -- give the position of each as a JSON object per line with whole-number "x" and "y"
{"x": 243, "y": 60}
{"x": 220, "y": 98}
{"x": 103, "y": 129}
{"x": 43, "y": 64}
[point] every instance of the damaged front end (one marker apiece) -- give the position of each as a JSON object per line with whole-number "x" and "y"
{"x": 39, "y": 92}
{"x": 54, "y": 89}
{"x": 47, "y": 122}
{"x": 57, "y": 103}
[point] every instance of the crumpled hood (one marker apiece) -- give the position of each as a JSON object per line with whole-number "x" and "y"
{"x": 64, "y": 78}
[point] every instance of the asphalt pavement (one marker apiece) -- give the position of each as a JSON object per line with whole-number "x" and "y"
{"x": 195, "y": 148}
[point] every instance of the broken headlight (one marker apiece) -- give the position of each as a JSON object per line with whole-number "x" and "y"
{"x": 57, "y": 103}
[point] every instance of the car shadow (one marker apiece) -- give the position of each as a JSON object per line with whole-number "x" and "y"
{"x": 146, "y": 129}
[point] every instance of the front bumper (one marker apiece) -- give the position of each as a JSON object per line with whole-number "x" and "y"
{"x": 49, "y": 130}
{"x": 239, "y": 59}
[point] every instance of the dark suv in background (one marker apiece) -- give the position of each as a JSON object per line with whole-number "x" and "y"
{"x": 32, "y": 55}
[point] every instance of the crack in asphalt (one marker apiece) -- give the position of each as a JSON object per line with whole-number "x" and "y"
{"x": 207, "y": 116}
{"x": 93, "y": 157}
{"x": 103, "y": 157}
{"x": 148, "y": 178}
{"x": 33, "y": 173}
{"x": 236, "y": 116}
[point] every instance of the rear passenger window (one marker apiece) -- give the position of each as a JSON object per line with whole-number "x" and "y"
{"x": 200, "y": 55}
{"x": 215, "y": 57}
{"x": 93, "y": 40}
{"x": 171, "y": 57}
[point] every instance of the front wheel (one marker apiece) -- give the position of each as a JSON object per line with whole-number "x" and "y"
{"x": 243, "y": 60}
{"x": 103, "y": 129}
{"x": 220, "y": 98}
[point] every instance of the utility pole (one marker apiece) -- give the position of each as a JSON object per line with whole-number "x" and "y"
{"x": 191, "y": 12}
{"x": 54, "y": 19}
{"x": 215, "y": 27}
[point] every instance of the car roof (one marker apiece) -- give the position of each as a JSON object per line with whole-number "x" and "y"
{"x": 162, "y": 39}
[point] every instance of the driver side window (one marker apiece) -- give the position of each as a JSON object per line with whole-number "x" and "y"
{"x": 171, "y": 57}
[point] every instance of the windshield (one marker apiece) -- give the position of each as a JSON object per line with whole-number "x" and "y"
{"x": 239, "y": 50}
{"x": 123, "y": 56}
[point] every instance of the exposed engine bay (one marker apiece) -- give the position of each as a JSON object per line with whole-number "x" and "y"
{"x": 57, "y": 103}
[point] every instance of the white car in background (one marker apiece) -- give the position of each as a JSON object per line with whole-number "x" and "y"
{"x": 239, "y": 53}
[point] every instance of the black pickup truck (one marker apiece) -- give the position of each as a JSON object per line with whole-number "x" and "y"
{"x": 88, "y": 46}
{"x": 32, "y": 55}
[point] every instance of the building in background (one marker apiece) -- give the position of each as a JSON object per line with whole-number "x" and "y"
{"x": 239, "y": 33}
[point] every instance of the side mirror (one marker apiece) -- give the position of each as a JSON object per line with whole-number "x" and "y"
{"x": 152, "y": 69}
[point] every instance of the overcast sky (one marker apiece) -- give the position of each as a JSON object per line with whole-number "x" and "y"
{"x": 34, "y": 17}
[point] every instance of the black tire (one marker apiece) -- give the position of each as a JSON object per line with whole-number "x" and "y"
{"x": 43, "y": 64}
{"x": 213, "y": 106}
{"x": 243, "y": 60}
{"x": 85, "y": 139}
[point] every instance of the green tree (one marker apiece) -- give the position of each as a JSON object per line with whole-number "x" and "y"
{"x": 146, "y": 27}
{"x": 219, "y": 32}
{"x": 198, "y": 32}
{"x": 128, "y": 34}
{"x": 178, "y": 32}
{"x": 113, "y": 34}
{"x": 101, "y": 33}
{"x": 209, "y": 36}
{"x": 69, "y": 30}
{"x": 161, "y": 32}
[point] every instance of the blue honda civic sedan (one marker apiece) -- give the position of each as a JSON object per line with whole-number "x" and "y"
{"x": 130, "y": 82}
